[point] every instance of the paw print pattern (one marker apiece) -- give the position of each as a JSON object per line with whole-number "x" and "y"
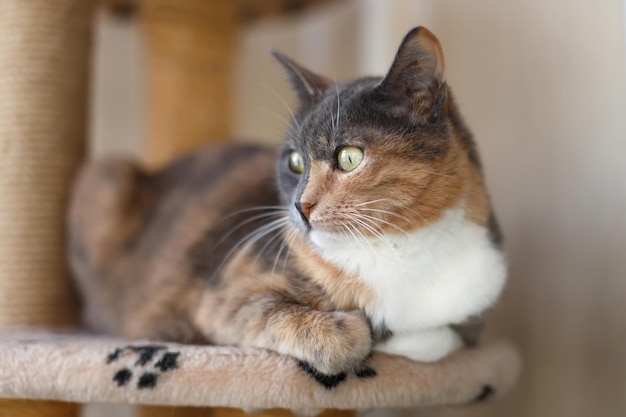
{"x": 331, "y": 381}
{"x": 150, "y": 363}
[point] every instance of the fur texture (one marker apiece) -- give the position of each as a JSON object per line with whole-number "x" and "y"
{"x": 296, "y": 251}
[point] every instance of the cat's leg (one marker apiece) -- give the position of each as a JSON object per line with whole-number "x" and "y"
{"x": 330, "y": 342}
{"x": 427, "y": 345}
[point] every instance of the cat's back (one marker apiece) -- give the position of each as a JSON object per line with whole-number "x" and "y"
{"x": 117, "y": 205}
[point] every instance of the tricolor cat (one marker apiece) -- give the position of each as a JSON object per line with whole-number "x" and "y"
{"x": 370, "y": 229}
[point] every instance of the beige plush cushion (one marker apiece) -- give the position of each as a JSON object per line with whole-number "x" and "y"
{"x": 85, "y": 368}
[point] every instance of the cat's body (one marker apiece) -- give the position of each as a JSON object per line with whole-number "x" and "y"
{"x": 375, "y": 232}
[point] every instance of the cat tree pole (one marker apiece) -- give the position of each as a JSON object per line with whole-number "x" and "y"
{"x": 44, "y": 55}
{"x": 190, "y": 50}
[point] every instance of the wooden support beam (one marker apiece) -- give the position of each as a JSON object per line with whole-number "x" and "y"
{"x": 190, "y": 47}
{"x": 29, "y": 408}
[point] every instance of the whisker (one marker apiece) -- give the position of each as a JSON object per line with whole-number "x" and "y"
{"x": 391, "y": 213}
{"x": 275, "y": 114}
{"x": 244, "y": 223}
{"x": 276, "y": 232}
{"x": 383, "y": 221}
{"x": 255, "y": 208}
{"x": 250, "y": 239}
{"x": 371, "y": 227}
{"x": 290, "y": 233}
{"x": 280, "y": 251}
{"x": 293, "y": 117}
{"x": 371, "y": 202}
{"x": 353, "y": 235}
{"x": 410, "y": 210}
{"x": 438, "y": 228}
{"x": 374, "y": 253}
{"x": 338, "y": 99}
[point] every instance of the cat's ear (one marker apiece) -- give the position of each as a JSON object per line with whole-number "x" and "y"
{"x": 308, "y": 86}
{"x": 415, "y": 83}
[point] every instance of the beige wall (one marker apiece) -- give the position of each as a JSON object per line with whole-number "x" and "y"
{"x": 542, "y": 83}
{"x": 543, "y": 86}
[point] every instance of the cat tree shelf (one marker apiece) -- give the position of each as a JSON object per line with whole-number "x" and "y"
{"x": 86, "y": 368}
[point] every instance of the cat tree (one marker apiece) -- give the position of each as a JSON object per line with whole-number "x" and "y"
{"x": 44, "y": 51}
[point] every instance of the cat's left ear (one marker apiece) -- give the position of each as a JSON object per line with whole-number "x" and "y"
{"x": 308, "y": 86}
{"x": 415, "y": 83}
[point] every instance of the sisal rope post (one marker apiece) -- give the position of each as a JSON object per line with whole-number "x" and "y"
{"x": 44, "y": 51}
{"x": 190, "y": 50}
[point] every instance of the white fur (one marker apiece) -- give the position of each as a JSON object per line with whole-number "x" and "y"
{"x": 426, "y": 345}
{"x": 424, "y": 281}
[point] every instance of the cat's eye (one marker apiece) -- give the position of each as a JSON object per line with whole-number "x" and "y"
{"x": 296, "y": 163}
{"x": 349, "y": 157}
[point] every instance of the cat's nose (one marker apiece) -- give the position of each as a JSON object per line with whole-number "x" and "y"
{"x": 304, "y": 208}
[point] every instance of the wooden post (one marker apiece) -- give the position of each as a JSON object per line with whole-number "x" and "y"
{"x": 26, "y": 408}
{"x": 190, "y": 46}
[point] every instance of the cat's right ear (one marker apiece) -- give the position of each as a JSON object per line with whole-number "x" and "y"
{"x": 309, "y": 86}
{"x": 415, "y": 83}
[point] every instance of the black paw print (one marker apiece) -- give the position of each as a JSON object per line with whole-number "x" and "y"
{"x": 331, "y": 381}
{"x": 145, "y": 355}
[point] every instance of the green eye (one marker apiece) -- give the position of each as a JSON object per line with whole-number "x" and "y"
{"x": 296, "y": 163}
{"x": 349, "y": 158}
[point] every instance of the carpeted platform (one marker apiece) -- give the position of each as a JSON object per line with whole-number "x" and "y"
{"x": 86, "y": 368}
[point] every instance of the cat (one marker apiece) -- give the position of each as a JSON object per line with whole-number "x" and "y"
{"x": 370, "y": 229}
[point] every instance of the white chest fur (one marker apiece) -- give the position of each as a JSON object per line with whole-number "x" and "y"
{"x": 424, "y": 281}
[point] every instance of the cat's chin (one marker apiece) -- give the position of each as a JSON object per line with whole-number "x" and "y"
{"x": 324, "y": 239}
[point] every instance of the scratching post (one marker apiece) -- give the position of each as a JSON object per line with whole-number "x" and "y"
{"x": 44, "y": 49}
{"x": 190, "y": 46}
{"x": 43, "y": 78}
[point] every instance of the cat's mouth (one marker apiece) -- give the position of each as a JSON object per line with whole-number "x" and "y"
{"x": 320, "y": 233}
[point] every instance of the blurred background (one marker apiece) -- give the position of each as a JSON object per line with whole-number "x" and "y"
{"x": 542, "y": 84}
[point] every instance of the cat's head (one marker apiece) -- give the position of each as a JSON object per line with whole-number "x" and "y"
{"x": 375, "y": 155}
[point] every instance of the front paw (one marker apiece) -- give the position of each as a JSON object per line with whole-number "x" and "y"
{"x": 340, "y": 341}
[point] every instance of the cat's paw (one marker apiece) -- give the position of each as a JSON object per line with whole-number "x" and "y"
{"x": 341, "y": 342}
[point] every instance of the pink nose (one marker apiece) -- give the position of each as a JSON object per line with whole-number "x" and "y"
{"x": 305, "y": 209}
